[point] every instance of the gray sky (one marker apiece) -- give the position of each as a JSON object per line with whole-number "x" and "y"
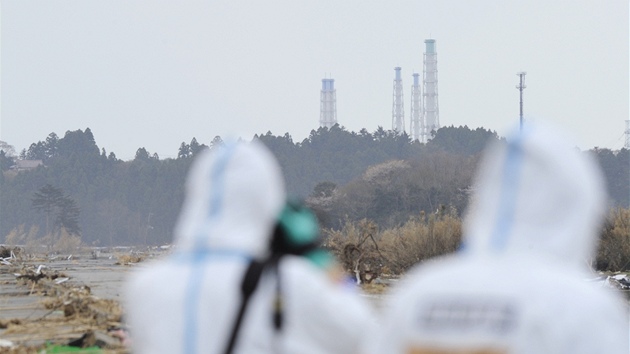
{"x": 155, "y": 73}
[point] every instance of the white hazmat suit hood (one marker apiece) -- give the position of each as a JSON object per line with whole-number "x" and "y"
{"x": 518, "y": 286}
{"x": 234, "y": 197}
{"x": 536, "y": 194}
{"x": 188, "y": 302}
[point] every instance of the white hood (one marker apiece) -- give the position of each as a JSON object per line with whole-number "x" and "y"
{"x": 188, "y": 302}
{"x": 536, "y": 194}
{"x": 517, "y": 287}
{"x": 233, "y": 196}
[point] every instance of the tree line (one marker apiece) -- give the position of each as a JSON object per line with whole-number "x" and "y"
{"x": 345, "y": 176}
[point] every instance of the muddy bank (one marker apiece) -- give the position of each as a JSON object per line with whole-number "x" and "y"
{"x": 58, "y": 301}
{"x": 62, "y": 299}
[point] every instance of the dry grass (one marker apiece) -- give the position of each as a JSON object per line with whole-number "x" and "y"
{"x": 20, "y": 236}
{"x": 419, "y": 239}
{"x": 614, "y": 246}
{"x": 67, "y": 243}
{"x": 127, "y": 259}
{"x": 363, "y": 249}
{"x": 374, "y": 288}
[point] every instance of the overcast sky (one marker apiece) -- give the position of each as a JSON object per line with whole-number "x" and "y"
{"x": 156, "y": 73}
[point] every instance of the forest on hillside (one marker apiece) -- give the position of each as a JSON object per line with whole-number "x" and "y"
{"x": 345, "y": 177}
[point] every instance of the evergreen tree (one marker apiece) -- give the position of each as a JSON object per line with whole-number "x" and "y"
{"x": 195, "y": 147}
{"x": 51, "y": 145}
{"x": 37, "y": 151}
{"x": 54, "y": 203}
{"x": 142, "y": 155}
{"x": 216, "y": 142}
{"x": 184, "y": 151}
{"x": 461, "y": 140}
{"x": 68, "y": 216}
{"x": 46, "y": 199}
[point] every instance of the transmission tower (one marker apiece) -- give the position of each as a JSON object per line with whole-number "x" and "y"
{"x": 417, "y": 124}
{"x": 521, "y": 86}
{"x": 328, "y": 104}
{"x": 430, "y": 82}
{"x": 627, "y": 144}
{"x": 398, "y": 107}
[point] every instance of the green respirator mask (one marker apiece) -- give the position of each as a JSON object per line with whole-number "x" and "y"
{"x": 297, "y": 233}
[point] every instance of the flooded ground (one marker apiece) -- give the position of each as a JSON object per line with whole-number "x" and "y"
{"x": 55, "y": 300}
{"x": 51, "y": 301}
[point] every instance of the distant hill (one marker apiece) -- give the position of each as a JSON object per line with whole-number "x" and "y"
{"x": 380, "y": 175}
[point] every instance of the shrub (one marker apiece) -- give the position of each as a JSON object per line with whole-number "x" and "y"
{"x": 356, "y": 247}
{"x": 614, "y": 243}
{"x": 366, "y": 252}
{"x": 19, "y": 236}
{"x": 67, "y": 242}
{"x": 420, "y": 238}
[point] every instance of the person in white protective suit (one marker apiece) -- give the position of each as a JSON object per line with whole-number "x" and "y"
{"x": 189, "y": 302}
{"x": 519, "y": 283}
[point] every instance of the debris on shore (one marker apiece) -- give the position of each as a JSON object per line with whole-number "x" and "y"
{"x": 129, "y": 259}
{"x": 53, "y": 314}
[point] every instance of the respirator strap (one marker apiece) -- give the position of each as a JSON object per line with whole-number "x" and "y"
{"x": 249, "y": 284}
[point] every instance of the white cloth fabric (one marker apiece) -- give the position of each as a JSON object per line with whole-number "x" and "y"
{"x": 518, "y": 285}
{"x": 188, "y": 302}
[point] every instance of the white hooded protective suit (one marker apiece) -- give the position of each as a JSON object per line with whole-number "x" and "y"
{"x": 519, "y": 283}
{"x": 188, "y": 302}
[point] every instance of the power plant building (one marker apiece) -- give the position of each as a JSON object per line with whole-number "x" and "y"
{"x": 328, "y": 104}
{"x": 425, "y": 111}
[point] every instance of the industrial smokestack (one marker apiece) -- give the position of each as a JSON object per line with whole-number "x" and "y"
{"x": 416, "y": 127}
{"x": 328, "y": 104}
{"x": 430, "y": 83}
{"x": 398, "y": 108}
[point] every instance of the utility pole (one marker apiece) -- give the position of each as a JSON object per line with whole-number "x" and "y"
{"x": 627, "y": 144}
{"x": 521, "y": 86}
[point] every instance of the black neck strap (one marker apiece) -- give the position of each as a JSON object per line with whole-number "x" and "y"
{"x": 248, "y": 286}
